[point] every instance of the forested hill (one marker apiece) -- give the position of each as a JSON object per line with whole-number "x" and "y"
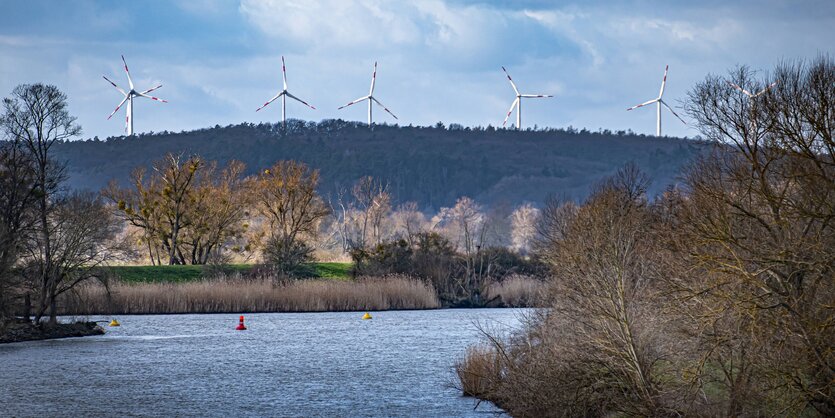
{"x": 430, "y": 165}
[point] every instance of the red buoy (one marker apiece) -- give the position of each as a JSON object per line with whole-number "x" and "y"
{"x": 241, "y": 326}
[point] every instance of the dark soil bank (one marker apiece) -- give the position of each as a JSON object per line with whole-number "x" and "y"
{"x": 17, "y": 331}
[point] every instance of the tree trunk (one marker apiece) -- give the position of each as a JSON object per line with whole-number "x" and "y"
{"x": 53, "y": 311}
{"x": 27, "y": 306}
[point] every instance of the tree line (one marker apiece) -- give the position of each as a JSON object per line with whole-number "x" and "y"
{"x": 187, "y": 210}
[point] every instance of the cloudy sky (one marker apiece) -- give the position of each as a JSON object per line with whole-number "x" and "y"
{"x": 439, "y": 60}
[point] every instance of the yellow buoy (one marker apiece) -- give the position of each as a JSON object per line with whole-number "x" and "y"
{"x": 366, "y": 316}
{"x": 115, "y": 323}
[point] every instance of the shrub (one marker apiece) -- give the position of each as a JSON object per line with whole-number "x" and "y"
{"x": 291, "y": 260}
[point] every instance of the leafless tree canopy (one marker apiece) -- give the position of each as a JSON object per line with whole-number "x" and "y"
{"x": 52, "y": 240}
{"x": 286, "y": 196}
{"x": 186, "y": 209}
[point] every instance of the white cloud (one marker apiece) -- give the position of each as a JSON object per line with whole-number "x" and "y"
{"x": 334, "y": 23}
{"x": 439, "y": 59}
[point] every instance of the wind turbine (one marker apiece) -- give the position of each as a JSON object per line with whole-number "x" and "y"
{"x": 518, "y": 102}
{"x": 370, "y": 98}
{"x": 752, "y": 95}
{"x": 129, "y": 98}
{"x": 658, "y": 102}
{"x": 284, "y": 94}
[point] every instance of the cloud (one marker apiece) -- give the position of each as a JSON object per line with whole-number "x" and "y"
{"x": 439, "y": 59}
{"x": 327, "y": 24}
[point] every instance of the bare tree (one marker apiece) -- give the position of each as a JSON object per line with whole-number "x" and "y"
{"x": 216, "y": 211}
{"x": 17, "y": 199}
{"x": 36, "y": 116}
{"x": 523, "y": 223}
{"x": 83, "y": 234}
{"x": 374, "y": 201}
{"x": 286, "y": 196}
{"x": 409, "y": 221}
{"x": 465, "y": 224}
{"x": 760, "y": 216}
{"x": 160, "y": 204}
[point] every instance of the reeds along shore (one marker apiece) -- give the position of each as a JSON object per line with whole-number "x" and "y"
{"x": 235, "y": 294}
{"x": 517, "y": 291}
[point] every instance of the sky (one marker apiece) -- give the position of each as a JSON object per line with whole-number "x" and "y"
{"x": 439, "y": 60}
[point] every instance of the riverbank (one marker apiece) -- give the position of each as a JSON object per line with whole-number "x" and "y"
{"x": 237, "y": 294}
{"x": 19, "y": 330}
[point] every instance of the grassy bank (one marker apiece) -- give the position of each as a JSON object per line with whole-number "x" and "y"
{"x": 240, "y": 295}
{"x": 187, "y": 273}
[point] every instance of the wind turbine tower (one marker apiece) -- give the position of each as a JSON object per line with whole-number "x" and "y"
{"x": 129, "y": 98}
{"x": 371, "y": 99}
{"x": 284, "y": 94}
{"x": 517, "y": 103}
{"x": 658, "y": 102}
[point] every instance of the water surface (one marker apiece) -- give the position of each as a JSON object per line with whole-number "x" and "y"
{"x": 312, "y": 364}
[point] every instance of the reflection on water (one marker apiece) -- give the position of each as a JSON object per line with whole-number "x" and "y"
{"x": 316, "y": 364}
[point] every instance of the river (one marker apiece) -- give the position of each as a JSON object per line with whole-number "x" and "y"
{"x": 312, "y": 364}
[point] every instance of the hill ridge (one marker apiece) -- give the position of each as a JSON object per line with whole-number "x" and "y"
{"x": 432, "y": 166}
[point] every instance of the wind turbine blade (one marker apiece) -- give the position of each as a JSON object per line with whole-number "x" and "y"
{"x": 270, "y": 101}
{"x": 117, "y": 107}
{"x": 114, "y": 85}
{"x": 151, "y": 89}
{"x": 511, "y": 80}
{"x": 355, "y": 101}
{"x": 383, "y": 106}
{"x": 644, "y": 104}
{"x": 130, "y": 80}
{"x": 747, "y": 93}
{"x": 535, "y": 96}
{"x": 674, "y": 112}
{"x": 512, "y": 106}
{"x": 300, "y": 100}
{"x": 373, "y": 79}
{"x": 152, "y": 97}
{"x": 663, "y": 81}
{"x": 765, "y": 89}
{"x": 284, "y": 72}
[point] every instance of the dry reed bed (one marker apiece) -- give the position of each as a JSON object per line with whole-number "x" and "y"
{"x": 517, "y": 291}
{"x": 260, "y": 295}
{"x": 479, "y": 372}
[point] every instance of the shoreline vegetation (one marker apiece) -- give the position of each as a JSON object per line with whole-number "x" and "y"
{"x": 713, "y": 299}
{"x": 236, "y": 293}
{"x": 239, "y": 294}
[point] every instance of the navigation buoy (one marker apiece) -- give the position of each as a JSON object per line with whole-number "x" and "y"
{"x": 115, "y": 323}
{"x": 241, "y": 326}
{"x": 366, "y": 316}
